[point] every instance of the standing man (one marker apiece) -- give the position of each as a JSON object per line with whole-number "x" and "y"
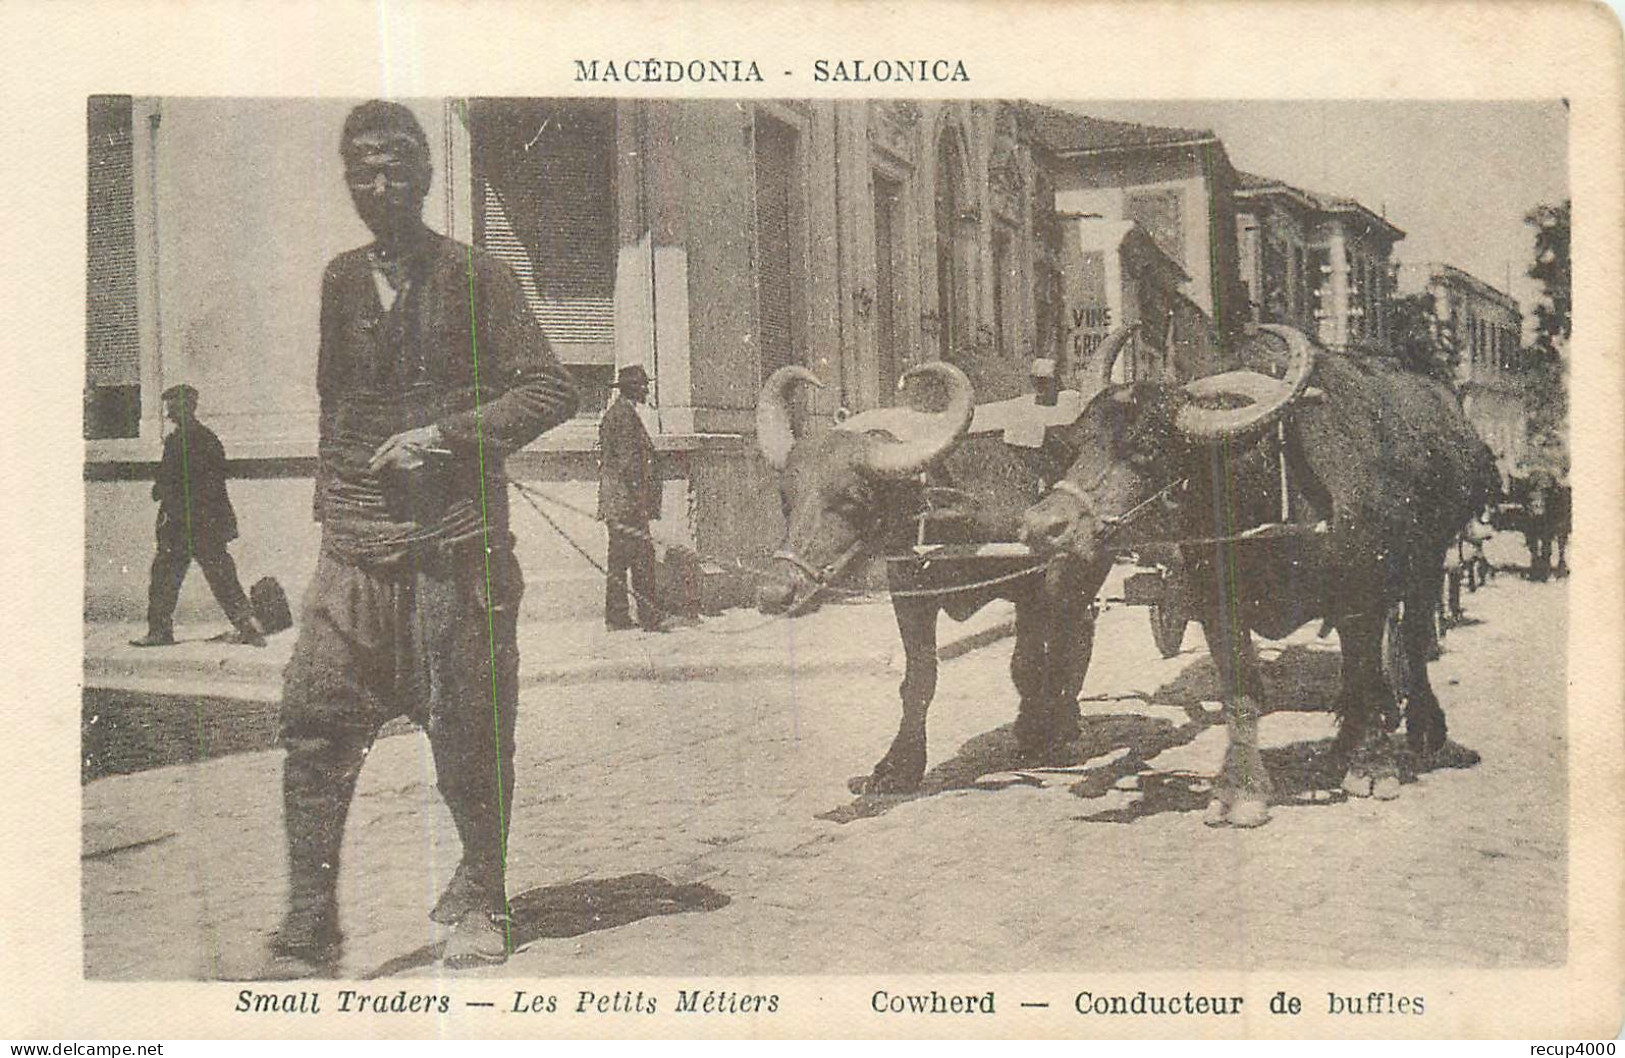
{"x": 195, "y": 520}
{"x": 430, "y": 369}
{"x": 628, "y": 500}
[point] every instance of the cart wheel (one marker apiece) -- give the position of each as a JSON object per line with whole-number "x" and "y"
{"x": 1168, "y": 629}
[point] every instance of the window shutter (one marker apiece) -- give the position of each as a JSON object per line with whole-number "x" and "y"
{"x": 775, "y": 157}
{"x": 545, "y": 204}
{"x": 113, "y": 349}
{"x": 112, "y": 336}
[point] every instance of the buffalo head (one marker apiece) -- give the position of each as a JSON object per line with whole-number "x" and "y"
{"x": 1131, "y": 437}
{"x": 841, "y": 490}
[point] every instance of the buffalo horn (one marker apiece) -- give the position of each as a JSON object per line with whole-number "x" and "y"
{"x": 905, "y": 457}
{"x": 1269, "y": 397}
{"x": 1110, "y": 349}
{"x": 774, "y": 433}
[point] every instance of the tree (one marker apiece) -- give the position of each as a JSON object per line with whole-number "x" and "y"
{"x": 1421, "y": 341}
{"x": 1545, "y": 381}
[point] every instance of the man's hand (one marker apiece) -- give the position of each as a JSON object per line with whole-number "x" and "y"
{"x": 406, "y": 450}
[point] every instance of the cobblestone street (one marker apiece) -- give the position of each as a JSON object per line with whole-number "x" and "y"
{"x": 705, "y": 827}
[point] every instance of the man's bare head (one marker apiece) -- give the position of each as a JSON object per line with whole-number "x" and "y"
{"x": 386, "y": 166}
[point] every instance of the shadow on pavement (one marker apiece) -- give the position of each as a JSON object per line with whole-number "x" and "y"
{"x": 122, "y": 732}
{"x": 1099, "y": 734}
{"x": 582, "y": 907}
{"x": 1300, "y": 679}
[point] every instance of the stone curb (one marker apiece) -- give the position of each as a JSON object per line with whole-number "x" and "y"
{"x": 262, "y": 681}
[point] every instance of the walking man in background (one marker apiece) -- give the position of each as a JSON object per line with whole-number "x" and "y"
{"x": 195, "y": 520}
{"x": 628, "y": 500}
{"x": 430, "y": 368}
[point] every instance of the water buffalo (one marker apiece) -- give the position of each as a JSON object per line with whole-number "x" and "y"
{"x": 859, "y": 490}
{"x": 1547, "y": 515}
{"x": 1386, "y": 469}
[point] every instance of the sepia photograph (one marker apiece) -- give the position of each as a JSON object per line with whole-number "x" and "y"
{"x": 737, "y": 540}
{"x": 625, "y": 454}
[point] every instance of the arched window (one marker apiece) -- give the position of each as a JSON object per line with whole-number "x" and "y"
{"x": 953, "y": 247}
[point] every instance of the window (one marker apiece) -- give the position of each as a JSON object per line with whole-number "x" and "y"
{"x": 1300, "y": 286}
{"x": 779, "y": 272}
{"x": 544, "y": 202}
{"x": 1357, "y": 297}
{"x": 1046, "y": 273}
{"x": 1320, "y": 270}
{"x": 1367, "y": 303}
{"x": 1159, "y": 213}
{"x": 1004, "y": 282}
{"x": 953, "y": 250}
{"x": 112, "y": 339}
{"x": 888, "y": 196}
{"x": 1276, "y": 295}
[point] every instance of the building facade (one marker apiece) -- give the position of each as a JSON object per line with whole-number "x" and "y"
{"x": 1316, "y": 262}
{"x": 1485, "y": 327}
{"x": 1177, "y": 187}
{"x": 709, "y": 241}
{"x": 1114, "y": 274}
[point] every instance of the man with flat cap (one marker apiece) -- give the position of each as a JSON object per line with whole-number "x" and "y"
{"x": 430, "y": 369}
{"x": 195, "y": 521}
{"x": 628, "y": 500}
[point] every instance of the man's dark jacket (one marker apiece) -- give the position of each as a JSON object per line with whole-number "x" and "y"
{"x": 460, "y": 349}
{"x": 190, "y": 488}
{"x": 628, "y": 487}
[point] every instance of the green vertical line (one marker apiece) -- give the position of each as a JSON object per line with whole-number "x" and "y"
{"x": 186, "y": 503}
{"x": 490, "y": 614}
{"x": 191, "y": 547}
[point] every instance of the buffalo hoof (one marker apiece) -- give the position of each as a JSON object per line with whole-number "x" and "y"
{"x": 1052, "y": 751}
{"x": 1237, "y": 810}
{"x": 1425, "y": 733}
{"x": 1450, "y": 755}
{"x": 1357, "y": 784}
{"x": 1385, "y": 788}
{"x": 1249, "y": 812}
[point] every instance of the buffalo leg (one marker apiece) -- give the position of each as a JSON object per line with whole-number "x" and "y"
{"x": 1071, "y": 635}
{"x": 1242, "y": 790}
{"x": 1029, "y": 663}
{"x": 903, "y": 766}
{"x": 1424, "y": 719}
{"x": 1366, "y": 703}
{"x": 1540, "y": 555}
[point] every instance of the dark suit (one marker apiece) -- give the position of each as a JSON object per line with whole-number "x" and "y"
{"x": 415, "y": 603}
{"x": 628, "y": 500}
{"x": 195, "y": 520}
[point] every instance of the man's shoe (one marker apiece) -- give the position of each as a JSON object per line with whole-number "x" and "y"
{"x": 290, "y": 966}
{"x": 479, "y": 938}
{"x": 462, "y": 897}
{"x": 154, "y": 639}
{"x": 295, "y": 954}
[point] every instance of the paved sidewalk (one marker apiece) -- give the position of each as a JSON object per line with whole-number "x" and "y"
{"x": 738, "y": 643}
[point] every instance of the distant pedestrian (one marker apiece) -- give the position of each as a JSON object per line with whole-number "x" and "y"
{"x": 628, "y": 500}
{"x": 195, "y": 521}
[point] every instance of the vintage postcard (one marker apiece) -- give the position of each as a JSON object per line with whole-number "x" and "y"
{"x": 1035, "y": 520}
